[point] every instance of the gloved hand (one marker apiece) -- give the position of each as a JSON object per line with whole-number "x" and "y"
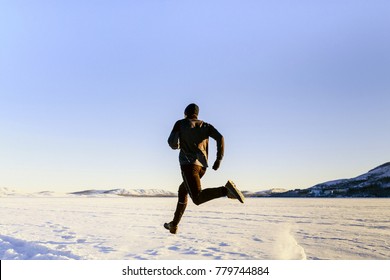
{"x": 216, "y": 164}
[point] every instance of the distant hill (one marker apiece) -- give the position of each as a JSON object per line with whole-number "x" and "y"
{"x": 265, "y": 193}
{"x": 7, "y": 192}
{"x": 374, "y": 183}
{"x": 123, "y": 192}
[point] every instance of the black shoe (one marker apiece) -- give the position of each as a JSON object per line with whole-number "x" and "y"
{"x": 172, "y": 228}
{"x": 233, "y": 192}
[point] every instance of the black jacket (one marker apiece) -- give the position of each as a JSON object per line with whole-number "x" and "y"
{"x": 191, "y": 136}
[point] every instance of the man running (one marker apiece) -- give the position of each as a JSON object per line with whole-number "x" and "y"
{"x": 191, "y": 136}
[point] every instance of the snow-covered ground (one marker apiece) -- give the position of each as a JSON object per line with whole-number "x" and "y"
{"x": 118, "y": 228}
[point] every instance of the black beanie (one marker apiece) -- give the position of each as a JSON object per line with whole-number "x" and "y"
{"x": 191, "y": 110}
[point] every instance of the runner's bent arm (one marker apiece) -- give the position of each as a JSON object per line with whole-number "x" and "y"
{"x": 174, "y": 137}
{"x": 220, "y": 146}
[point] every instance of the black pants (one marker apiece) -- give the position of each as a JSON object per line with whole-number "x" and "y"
{"x": 192, "y": 186}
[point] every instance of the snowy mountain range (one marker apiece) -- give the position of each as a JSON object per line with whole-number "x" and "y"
{"x": 266, "y": 193}
{"x": 7, "y": 192}
{"x": 374, "y": 183}
{"x": 123, "y": 192}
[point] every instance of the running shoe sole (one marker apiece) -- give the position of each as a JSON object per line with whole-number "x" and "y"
{"x": 232, "y": 189}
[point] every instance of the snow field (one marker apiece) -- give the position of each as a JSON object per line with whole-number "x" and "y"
{"x": 121, "y": 228}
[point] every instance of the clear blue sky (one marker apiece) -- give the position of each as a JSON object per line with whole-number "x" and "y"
{"x": 89, "y": 90}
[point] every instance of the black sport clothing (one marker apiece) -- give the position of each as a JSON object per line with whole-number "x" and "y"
{"x": 191, "y": 136}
